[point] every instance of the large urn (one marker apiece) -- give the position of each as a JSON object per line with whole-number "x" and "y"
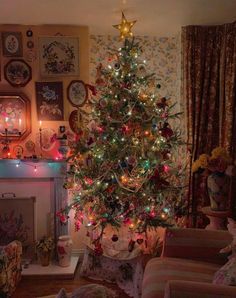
{"x": 218, "y": 190}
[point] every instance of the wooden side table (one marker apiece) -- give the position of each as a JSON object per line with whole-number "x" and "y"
{"x": 217, "y": 218}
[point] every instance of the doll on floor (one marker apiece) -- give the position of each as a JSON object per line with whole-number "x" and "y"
{"x": 232, "y": 246}
{"x": 226, "y": 275}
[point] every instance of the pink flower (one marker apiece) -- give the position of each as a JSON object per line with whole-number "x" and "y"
{"x": 61, "y": 250}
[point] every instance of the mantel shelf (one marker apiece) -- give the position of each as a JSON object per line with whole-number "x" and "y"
{"x": 32, "y": 168}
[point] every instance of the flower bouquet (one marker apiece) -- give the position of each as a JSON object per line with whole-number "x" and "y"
{"x": 44, "y": 248}
{"x": 217, "y": 167}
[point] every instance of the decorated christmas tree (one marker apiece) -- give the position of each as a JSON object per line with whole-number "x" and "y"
{"x": 123, "y": 169}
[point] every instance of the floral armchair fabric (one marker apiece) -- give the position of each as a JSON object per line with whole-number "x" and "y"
{"x": 10, "y": 267}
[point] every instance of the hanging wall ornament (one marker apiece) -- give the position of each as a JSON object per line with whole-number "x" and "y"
{"x": 30, "y": 44}
{"x": 30, "y": 56}
{"x": 29, "y": 33}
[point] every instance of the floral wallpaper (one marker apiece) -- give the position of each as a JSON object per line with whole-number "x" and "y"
{"x": 164, "y": 58}
{"x": 162, "y": 55}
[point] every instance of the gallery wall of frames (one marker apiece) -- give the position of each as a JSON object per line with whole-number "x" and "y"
{"x": 44, "y": 81}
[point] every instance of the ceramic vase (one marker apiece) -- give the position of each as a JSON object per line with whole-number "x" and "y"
{"x": 64, "y": 250}
{"x": 218, "y": 191}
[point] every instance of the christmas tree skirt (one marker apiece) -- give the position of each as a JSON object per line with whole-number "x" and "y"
{"x": 127, "y": 273}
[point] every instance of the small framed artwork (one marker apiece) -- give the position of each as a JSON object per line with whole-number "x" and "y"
{"x": 77, "y": 93}
{"x": 49, "y": 101}
{"x": 12, "y": 44}
{"x": 17, "y": 72}
{"x": 15, "y": 116}
{"x": 59, "y": 56}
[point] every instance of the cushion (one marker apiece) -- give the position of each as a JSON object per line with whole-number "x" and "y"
{"x": 196, "y": 244}
{"x": 160, "y": 270}
{"x": 226, "y": 275}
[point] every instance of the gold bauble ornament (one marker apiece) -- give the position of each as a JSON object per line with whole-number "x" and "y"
{"x": 125, "y": 27}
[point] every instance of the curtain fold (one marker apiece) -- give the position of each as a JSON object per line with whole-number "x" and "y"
{"x": 209, "y": 86}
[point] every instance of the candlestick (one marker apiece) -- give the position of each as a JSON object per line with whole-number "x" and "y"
{"x": 6, "y": 120}
{"x": 40, "y": 136}
{"x": 19, "y": 126}
{"x": 6, "y": 142}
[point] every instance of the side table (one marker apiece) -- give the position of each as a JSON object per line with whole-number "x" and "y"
{"x": 217, "y": 218}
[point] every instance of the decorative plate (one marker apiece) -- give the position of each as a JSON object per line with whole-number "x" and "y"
{"x": 29, "y": 33}
{"x": 30, "y": 44}
{"x": 30, "y": 55}
{"x": 77, "y": 93}
{"x": 17, "y": 72}
{"x": 45, "y": 141}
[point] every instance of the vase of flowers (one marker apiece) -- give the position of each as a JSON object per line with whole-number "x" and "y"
{"x": 44, "y": 248}
{"x": 218, "y": 168}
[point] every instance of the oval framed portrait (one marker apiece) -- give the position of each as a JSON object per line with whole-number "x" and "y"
{"x": 77, "y": 93}
{"x": 17, "y": 72}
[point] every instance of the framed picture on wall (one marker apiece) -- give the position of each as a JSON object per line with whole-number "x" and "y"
{"x": 59, "y": 56}
{"x": 17, "y": 72}
{"x": 77, "y": 93}
{"x": 12, "y": 44}
{"x": 15, "y": 116}
{"x": 49, "y": 101}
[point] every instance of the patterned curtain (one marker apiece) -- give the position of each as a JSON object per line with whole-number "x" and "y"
{"x": 209, "y": 87}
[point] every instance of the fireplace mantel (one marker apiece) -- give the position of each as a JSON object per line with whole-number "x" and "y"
{"x": 40, "y": 169}
{"x": 15, "y": 168}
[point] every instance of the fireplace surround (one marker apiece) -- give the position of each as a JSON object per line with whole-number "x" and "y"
{"x": 14, "y": 172}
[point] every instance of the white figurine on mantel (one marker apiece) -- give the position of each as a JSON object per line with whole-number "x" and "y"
{"x": 63, "y": 142}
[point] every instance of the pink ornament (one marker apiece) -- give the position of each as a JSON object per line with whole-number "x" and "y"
{"x": 166, "y": 168}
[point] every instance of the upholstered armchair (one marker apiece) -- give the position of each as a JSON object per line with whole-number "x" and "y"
{"x": 189, "y": 260}
{"x": 10, "y": 267}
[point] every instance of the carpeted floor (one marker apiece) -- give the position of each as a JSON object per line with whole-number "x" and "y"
{"x": 36, "y": 287}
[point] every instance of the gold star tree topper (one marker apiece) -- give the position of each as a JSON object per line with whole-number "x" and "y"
{"x": 125, "y": 27}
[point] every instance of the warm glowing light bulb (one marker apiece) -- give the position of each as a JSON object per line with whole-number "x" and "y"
{"x": 35, "y": 169}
